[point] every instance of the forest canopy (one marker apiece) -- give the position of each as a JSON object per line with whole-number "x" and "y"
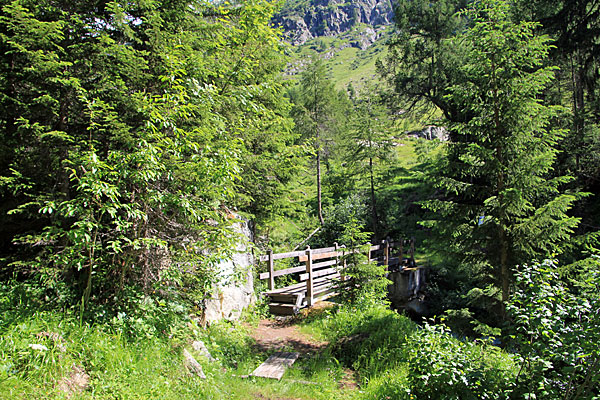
{"x": 128, "y": 129}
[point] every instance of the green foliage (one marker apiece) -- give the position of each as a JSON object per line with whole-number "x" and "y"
{"x": 556, "y": 332}
{"x": 128, "y": 133}
{"x": 419, "y": 66}
{"x": 442, "y": 367}
{"x": 315, "y": 117}
{"x": 364, "y": 283}
{"x": 368, "y": 145}
{"x": 337, "y": 216}
{"x": 398, "y": 360}
{"x": 499, "y": 204}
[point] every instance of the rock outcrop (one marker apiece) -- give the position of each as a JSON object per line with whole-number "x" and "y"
{"x": 237, "y": 291}
{"x": 430, "y": 133}
{"x": 303, "y": 21}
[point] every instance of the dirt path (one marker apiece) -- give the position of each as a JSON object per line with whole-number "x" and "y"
{"x": 282, "y": 334}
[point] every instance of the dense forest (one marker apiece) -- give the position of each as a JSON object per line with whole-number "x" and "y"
{"x": 138, "y": 135}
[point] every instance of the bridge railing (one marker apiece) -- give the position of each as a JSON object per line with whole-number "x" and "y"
{"x": 327, "y": 263}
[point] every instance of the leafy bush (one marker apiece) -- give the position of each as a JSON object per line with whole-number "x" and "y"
{"x": 396, "y": 359}
{"x": 556, "y": 332}
{"x": 442, "y": 367}
{"x": 337, "y": 216}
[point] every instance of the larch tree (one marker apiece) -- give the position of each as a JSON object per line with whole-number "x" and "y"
{"x": 368, "y": 142}
{"x": 314, "y": 116}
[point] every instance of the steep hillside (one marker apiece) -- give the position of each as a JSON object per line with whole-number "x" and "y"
{"x": 349, "y": 36}
{"x": 303, "y": 20}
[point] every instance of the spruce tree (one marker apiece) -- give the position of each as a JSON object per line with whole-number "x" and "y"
{"x": 499, "y": 206}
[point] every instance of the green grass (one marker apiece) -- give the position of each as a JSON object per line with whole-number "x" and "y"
{"x": 396, "y": 359}
{"x": 122, "y": 367}
{"x": 389, "y": 352}
{"x": 344, "y": 65}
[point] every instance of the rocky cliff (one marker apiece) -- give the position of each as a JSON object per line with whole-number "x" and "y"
{"x": 303, "y": 20}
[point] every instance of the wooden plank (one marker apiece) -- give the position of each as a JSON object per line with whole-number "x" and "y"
{"x": 274, "y": 367}
{"x": 323, "y": 250}
{"x": 299, "y": 287}
{"x": 324, "y": 264}
{"x": 318, "y": 274}
{"x": 321, "y": 256}
{"x": 283, "y": 309}
{"x": 280, "y": 256}
{"x": 299, "y": 253}
{"x": 376, "y": 247}
{"x": 281, "y": 272}
{"x": 285, "y": 297}
{"x": 299, "y": 300}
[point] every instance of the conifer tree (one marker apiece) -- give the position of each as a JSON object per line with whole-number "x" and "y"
{"x": 500, "y": 208}
{"x": 314, "y": 116}
{"x": 368, "y": 143}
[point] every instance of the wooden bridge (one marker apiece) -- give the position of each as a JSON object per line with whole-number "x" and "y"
{"x": 320, "y": 272}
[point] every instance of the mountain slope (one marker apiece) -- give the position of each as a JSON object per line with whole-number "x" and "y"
{"x": 348, "y": 35}
{"x": 303, "y": 20}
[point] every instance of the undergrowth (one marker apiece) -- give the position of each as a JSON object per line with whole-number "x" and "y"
{"x": 397, "y": 359}
{"x": 134, "y": 356}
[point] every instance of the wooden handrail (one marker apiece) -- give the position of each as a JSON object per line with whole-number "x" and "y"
{"x": 386, "y": 248}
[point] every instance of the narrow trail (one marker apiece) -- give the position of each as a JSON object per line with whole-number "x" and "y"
{"x": 283, "y": 334}
{"x": 278, "y": 335}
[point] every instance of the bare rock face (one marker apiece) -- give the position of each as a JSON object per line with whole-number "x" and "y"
{"x": 430, "y": 133}
{"x": 192, "y": 365}
{"x": 406, "y": 290}
{"x": 302, "y": 22}
{"x": 237, "y": 292}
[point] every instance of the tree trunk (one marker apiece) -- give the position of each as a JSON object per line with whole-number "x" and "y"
{"x": 319, "y": 205}
{"x": 504, "y": 271}
{"x": 373, "y": 199}
{"x": 578, "y": 107}
{"x": 500, "y": 178}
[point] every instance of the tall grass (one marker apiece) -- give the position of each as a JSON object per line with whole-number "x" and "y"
{"x": 398, "y": 359}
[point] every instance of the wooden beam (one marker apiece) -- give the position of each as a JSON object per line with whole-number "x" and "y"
{"x": 280, "y": 256}
{"x": 386, "y": 252}
{"x": 309, "y": 281}
{"x": 318, "y": 274}
{"x": 281, "y": 272}
{"x": 320, "y": 256}
{"x": 271, "y": 271}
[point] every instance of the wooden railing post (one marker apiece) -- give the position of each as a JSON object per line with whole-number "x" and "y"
{"x": 271, "y": 270}
{"x": 337, "y": 257}
{"x": 309, "y": 281}
{"x": 386, "y": 252}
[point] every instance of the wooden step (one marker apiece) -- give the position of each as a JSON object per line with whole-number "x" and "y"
{"x": 283, "y": 309}
{"x": 300, "y": 287}
{"x": 274, "y": 367}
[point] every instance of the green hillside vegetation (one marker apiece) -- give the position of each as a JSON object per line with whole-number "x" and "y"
{"x": 346, "y": 64}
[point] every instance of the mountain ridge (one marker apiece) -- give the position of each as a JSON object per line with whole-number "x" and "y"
{"x": 303, "y": 20}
